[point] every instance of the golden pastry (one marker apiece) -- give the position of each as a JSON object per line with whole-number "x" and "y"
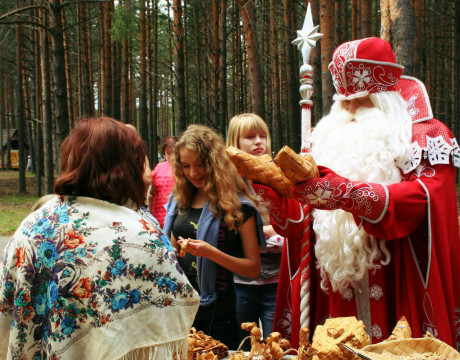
{"x": 261, "y": 169}
{"x": 297, "y": 168}
{"x": 183, "y": 247}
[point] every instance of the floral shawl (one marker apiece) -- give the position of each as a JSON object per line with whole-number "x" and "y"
{"x": 85, "y": 279}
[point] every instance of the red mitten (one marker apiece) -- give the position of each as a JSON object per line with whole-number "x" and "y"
{"x": 330, "y": 192}
{"x": 286, "y": 214}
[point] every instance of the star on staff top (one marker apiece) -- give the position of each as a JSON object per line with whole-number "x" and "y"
{"x": 307, "y": 37}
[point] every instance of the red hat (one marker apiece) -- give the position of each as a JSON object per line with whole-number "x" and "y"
{"x": 364, "y": 66}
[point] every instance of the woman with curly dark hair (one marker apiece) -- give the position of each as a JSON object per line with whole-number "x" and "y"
{"x": 212, "y": 211}
{"x": 88, "y": 275}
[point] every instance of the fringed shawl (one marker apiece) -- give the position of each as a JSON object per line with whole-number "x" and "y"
{"x": 85, "y": 279}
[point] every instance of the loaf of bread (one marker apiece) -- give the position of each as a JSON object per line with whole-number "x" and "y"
{"x": 297, "y": 168}
{"x": 261, "y": 169}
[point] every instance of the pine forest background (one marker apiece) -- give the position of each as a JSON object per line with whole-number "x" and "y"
{"x": 164, "y": 64}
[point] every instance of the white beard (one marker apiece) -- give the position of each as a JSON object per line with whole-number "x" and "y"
{"x": 362, "y": 149}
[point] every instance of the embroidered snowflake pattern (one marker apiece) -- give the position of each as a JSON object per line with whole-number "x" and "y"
{"x": 423, "y": 170}
{"x": 273, "y": 210}
{"x": 376, "y": 331}
{"x": 320, "y": 196}
{"x": 438, "y": 150}
{"x": 361, "y": 78}
{"x": 415, "y": 159}
{"x": 284, "y": 323}
{"x": 375, "y": 292}
{"x": 455, "y": 152}
{"x": 411, "y": 109}
{"x": 347, "y": 294}
{"x": 431, "y": 328}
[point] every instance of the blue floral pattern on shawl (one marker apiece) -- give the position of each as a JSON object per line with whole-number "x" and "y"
{"x": 50, "y": 297}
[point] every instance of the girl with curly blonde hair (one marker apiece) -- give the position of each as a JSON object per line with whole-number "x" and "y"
{"x": 212, "y": 209}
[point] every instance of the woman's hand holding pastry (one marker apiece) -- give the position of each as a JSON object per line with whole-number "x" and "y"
{"x": 194, "y": 247}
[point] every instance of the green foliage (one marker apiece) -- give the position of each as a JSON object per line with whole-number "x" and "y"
{"x": 126, "y": 21}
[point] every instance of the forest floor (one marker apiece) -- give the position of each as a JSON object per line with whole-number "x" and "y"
{"x": 14, "y": 207}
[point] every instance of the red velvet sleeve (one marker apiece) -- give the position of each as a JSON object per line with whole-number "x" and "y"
{"x": 288, "y": 223}
{"x": 408, "y": 202}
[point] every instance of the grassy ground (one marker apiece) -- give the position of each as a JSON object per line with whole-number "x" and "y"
{"x": 15, "y": 207}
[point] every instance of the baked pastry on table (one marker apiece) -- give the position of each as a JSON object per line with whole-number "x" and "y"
{"x": 204, "y": 347}
{"x": 328, "y": 338}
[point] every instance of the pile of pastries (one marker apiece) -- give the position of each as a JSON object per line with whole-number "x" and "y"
{"x": 204, "y": 347}
{"x": 345, "y": 338}
{"x": 274, "y": 347}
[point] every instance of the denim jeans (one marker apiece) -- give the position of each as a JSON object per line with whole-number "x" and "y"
{"x": 256, "y": 303}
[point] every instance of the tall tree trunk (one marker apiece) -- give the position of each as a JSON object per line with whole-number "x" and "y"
{"x": 385, "y": 20}
{"x": 151, "y": 105}
{"x": 68, "y": 76}
{"x": 21, "y": 123}
{"x": 327, "y": 48}
{"x": 402, "y": 33}
{"x": 125, "y": 83}
{"x": 143, "y": 73}
{"x": 214, "y": 57}
{"x": 38, "y": 154}
{"x": 181, "y": 118}
{"x": 419, "y": 55}
{"x": 186, "y": 61}
{"x": 116, "y": 80}
{"x": 315, "y": 61}
{"x": 206, "y": 71}
{"x": 198, "y": 49}
{"x": 155, "y": 83}
{"x": 223, "y": 114}
{"x": 86, "y": 100}
{"x": 275, "y": 88}
{"x": 107, "y": 57}
{"x": 172, "y": 80}
{"x": 247, "y": 10}
{"x": 292, "y": 80}
{"x": 354, "y": 28}
{"x": 366, "y": 18}
{"x": 89, "y": 51}
{"x": 61, "y": 113}
{"x": 46, "y": 113}
{"x": 2, "y": 119}
{"x": 132, "y": 96}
